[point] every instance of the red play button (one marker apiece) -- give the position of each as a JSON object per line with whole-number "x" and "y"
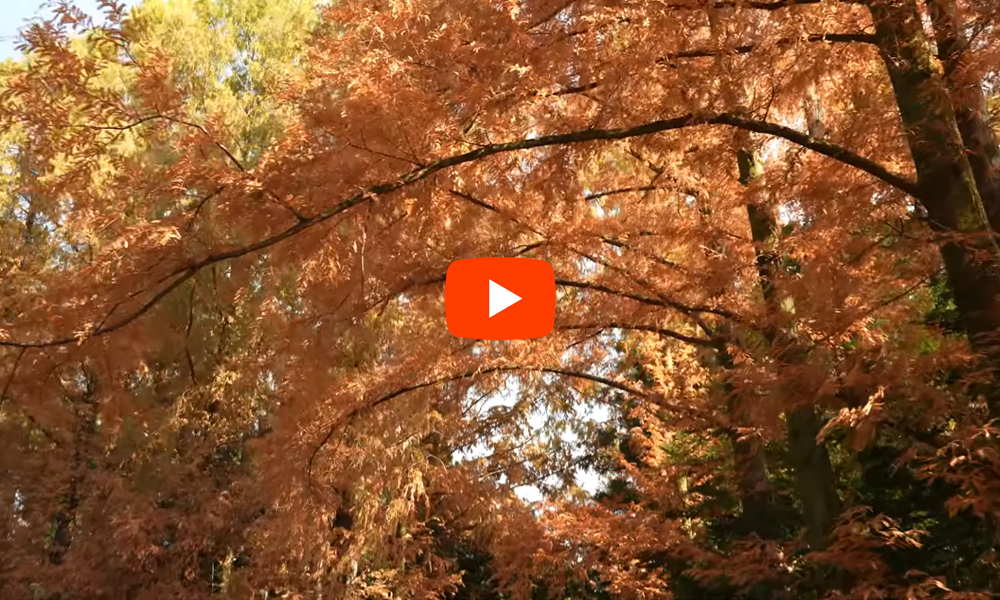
{"x": 500, "y": 298}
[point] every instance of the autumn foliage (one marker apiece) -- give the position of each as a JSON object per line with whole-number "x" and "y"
{"x": 224, "y": 366}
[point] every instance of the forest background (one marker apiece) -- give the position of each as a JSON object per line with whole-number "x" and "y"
{"x": 224, "y": 370}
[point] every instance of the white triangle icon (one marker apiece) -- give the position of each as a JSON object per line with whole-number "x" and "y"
{"x": 501, "y": 298}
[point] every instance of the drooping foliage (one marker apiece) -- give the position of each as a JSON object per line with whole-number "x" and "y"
{"x": 224, "y": 366}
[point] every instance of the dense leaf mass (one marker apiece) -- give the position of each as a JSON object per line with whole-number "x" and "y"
{"x": 224, "y": 366}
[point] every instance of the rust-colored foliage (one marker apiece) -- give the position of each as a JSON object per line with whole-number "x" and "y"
{"x": 225, "y": 370}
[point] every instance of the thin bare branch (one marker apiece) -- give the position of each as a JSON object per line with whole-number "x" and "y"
{"x": 702, "y": 342}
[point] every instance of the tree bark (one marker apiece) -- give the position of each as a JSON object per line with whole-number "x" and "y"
{"x": 810, "y": 460}
{"x": 969, "y": 103}
{"x": 760, "y": 514}
{"x": 84, "y": 404}
{"x": 945, "y": 176}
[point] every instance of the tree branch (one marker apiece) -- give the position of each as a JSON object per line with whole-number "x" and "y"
{"x": 703, "y": 342}
{"x": 10, "y": 378}
{"x": 689, "y": 310}
{"x": 550, "y": 15}
{"x": 660, "y": 300}
{"x": 864, "y": 38}
{"x": 181, "y": 275}
{"x": 457, "y": 377}
{"x": 755, "y": 4}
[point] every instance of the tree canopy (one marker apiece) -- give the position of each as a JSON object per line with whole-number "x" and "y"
{"x": 224, "y": 366}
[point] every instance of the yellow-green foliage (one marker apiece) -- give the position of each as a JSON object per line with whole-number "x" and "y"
{"x": 233, "y": 57}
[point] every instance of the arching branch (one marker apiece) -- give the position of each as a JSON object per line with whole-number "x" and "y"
{"x": 862, "y": 38}
{"x": 368, "y": 406}
{"x": 607, "y": 240}
{"x": 687, "y": 339}
{"x": 666, "y": 303}
{"x": 755, "y": 4}
{"x": 178, "y": 277}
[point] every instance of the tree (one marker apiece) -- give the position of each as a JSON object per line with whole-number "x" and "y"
{"x": 758, "y": 213}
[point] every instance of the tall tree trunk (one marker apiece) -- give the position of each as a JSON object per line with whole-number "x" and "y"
{"x": 969, "y": 102}
{"x": 814, "y": 477}
{"x": 944, "y": 173}
{"x": 810, "y": 460}
{"x": 27, "y": 180}
{"x": 760, "y": 514}
{"x": 85, "y": 444}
